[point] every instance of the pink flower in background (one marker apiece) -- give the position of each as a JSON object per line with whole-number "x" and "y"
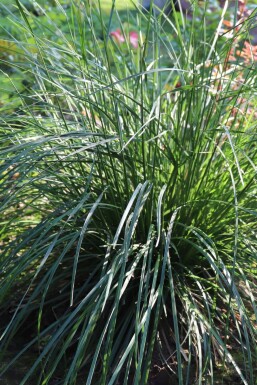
{"x": 120, "y": 38}
{"x": 133, "y": 39}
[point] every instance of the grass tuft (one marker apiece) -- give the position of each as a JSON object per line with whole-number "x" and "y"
{"x": 128, "y": 200}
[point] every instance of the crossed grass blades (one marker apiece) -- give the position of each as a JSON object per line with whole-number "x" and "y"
{"x": 128, "y": 202}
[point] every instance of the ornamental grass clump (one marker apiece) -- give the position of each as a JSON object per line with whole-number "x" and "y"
{"x": 128, "y": 202}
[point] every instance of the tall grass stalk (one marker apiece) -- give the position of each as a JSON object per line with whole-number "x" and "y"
{"x": 128, "y": 202}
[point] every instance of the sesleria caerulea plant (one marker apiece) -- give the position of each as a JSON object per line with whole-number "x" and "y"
{"x": 128, "y": 200}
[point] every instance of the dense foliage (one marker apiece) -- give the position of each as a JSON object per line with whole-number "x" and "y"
{"x": 128, "y": 196}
